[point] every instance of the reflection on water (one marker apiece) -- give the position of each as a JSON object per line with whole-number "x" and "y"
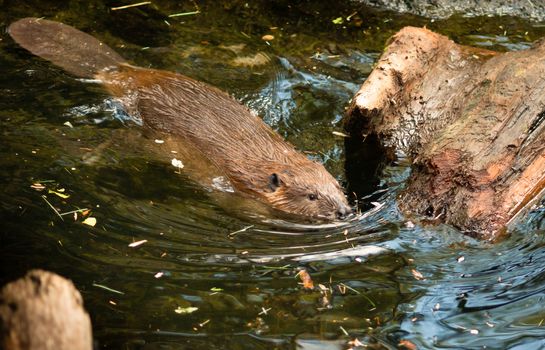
{"x": 208, "y": 275}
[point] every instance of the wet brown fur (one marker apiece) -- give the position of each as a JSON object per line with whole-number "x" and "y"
{"x": 256, "y": 160}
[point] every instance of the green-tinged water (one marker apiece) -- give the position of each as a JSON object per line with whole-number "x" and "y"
{"x": 208, "y": 276}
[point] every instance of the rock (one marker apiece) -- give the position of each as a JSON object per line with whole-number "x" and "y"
{"x": 43, "y": 311}
{"x": 533, "y": 10}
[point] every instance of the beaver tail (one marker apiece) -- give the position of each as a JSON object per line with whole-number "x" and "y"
{"x": 65, "y": 46}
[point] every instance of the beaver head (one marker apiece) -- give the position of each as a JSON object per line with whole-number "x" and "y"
{"x": 307, "y": 190}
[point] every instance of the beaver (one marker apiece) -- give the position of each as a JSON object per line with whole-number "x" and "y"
{"x": 206, "y": 121}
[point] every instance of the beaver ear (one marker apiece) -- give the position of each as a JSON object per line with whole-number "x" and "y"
{"x": 274, "y": 181}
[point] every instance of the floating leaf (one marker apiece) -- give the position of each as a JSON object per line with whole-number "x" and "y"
{"x": 305, "y": 278}
{"x": 338, "y": 20}
{"x": 58, "y": 193}
{"x": 90, "y": 221}
{"x": 407, "y": 344}
{"x": 417, "y": 274}
{"x": 37, "y": 186}
{"x": 185, "y": 310}
{"x": 341, "y": 134}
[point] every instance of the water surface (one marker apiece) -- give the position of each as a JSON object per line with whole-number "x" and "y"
{"x": 209, "y": 276}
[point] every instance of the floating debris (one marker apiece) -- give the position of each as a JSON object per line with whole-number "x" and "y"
{"x": 356, "y": 343}
{"x": 177, "y": 164}
{"x": 267, "y": 37}
{"x": 131, "y": 5}
{"x": 90, "y": 221}
{"x": 37, "y": 186}
{"x": 184, "y": 14}
{"x": 52, "y": 207}
{"x": 232, "y": 234}
{"x": 264, "y": 311}
{"x": 83, "y": 212}
{"x": 341, "y": 134}
{"x": 417, "y": 275}
{"x": 138, "y": 243}
{"x": 107, "y": 288}
{"x": 407, "y": 344}
{"x": 185, "y": 310}
{"x": 59, "y": 193}
{"x": 159, "y": 141}
{"x": 305, "y": 278}
{"x": 159, "y": 274}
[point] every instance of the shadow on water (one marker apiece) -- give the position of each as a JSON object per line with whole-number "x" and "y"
{"x": 208, "y": 276}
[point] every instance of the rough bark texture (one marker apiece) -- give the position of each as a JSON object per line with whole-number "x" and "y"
{"x": 534, "y": 10}
{"x": 472, "y": 122}
{"x": 43, "y": 311}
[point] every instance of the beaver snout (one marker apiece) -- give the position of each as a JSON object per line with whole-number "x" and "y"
{"x": 343, "y": 212}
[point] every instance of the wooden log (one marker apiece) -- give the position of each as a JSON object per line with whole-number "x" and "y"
{"x": 43, "y": 311}
{"x": 471, "y": 121}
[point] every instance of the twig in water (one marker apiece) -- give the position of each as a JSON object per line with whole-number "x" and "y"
{"x": 131, "y": 5}
{"x": 184, "y": 14}
{"x": 107, "y": 288}
{"x": 230, "y": 235}
{"x": 74, "y": 211}
{"x": 52, "y": 207}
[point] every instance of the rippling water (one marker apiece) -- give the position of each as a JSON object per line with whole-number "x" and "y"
{"x": 211, "y": 274}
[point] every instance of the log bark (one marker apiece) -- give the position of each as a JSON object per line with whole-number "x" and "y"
{"x": 471, "y": 121}
{"x": 43, "y": 311}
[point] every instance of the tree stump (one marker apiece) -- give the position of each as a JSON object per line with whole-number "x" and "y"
{"x": 43, "y": 311}
{"x": 471, "y": 121}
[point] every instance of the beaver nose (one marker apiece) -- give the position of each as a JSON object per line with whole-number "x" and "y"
{"x": 343, "y": 212}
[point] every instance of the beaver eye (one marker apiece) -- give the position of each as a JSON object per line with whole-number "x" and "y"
{"x": 312, "y": 197}
{"x": 274, "y": 182}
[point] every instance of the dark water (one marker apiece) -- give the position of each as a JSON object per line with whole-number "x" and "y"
{"x": 380, "y": 278}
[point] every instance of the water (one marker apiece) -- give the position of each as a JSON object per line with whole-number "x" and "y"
{"x": 209, "y": 276}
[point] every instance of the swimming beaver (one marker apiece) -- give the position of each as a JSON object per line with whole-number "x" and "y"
{"x": 206, "y": 120}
